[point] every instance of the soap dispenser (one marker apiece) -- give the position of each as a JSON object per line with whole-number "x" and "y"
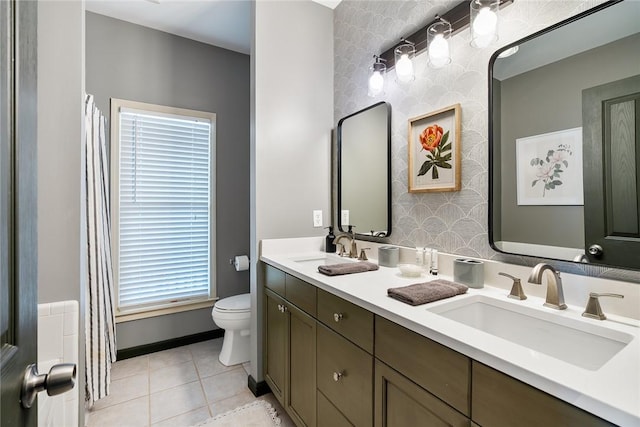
{"x": 329, "y": 246}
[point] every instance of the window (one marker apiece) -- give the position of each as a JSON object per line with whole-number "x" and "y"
{"x": 161, "y": 202}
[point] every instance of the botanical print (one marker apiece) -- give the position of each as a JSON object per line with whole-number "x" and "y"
{"x": 549, "y": 168}
{"x": 438, "y": 150}
{"x": 434, "y": 151}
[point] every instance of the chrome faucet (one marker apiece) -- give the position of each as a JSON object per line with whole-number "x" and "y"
{"x": 353, "y": 251}
{"x": 555, "y": 296}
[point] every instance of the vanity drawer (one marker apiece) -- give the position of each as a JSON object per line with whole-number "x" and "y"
{"x": 347, "y": 319}
{"x": 345, "y": 376}
{"x": 274, "y": 279}
{"x": 500, "y": 400}
{"x": 434, "y": 367}
{"x": 301, "y": 294}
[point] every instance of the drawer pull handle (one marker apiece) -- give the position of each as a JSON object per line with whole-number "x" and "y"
{"x": 337, "y": 317}
{"x": 337, "y": 376}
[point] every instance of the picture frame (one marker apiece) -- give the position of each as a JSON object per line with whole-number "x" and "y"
{"x": 435, "y": 151}
{"x": 549, "y": 169}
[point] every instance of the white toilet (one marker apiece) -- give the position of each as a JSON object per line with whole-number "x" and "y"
{"x": 233, "y": 314}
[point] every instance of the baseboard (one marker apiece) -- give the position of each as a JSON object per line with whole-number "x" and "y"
{"x": 258, "y": 388}
{"x": 140, "y": 350}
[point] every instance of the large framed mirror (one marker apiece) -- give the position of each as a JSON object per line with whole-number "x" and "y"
{"x": 364, "y": 171}
{"x": 564, "y": 138}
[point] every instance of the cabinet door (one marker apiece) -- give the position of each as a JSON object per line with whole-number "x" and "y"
{"x": 400, "y": 402}
{"x": 275, "y": 358}
{"x": 301, "y": 394}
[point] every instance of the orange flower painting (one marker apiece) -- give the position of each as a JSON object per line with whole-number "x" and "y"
{"x": 431, "y": 137}
{"x": 434, "y": 151}
{"x": 435, "y": 142}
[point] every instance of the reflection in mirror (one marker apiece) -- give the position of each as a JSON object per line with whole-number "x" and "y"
{"x": 542, "y": 142}
{"x": 364, "y": 166}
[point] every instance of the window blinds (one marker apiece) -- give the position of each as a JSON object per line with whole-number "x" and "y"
{"x": 164, "y": 218}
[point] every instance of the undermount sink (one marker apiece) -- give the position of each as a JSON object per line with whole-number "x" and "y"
{"x": 576, "y": 341}
{"x": 325, "y": 259}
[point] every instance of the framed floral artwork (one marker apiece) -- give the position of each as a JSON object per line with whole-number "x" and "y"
{"x": 434, "y": 151}
{"x": 549, "y": 168}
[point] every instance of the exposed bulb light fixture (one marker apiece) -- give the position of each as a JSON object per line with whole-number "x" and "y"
{"x": 438, "y": 35}
{"x": 404, "y": 54}
{"x": 376, "y": 76}
{"x": 484, "y": 22}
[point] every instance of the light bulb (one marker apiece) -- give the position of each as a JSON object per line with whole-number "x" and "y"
{"x": 484, "y": 27}
{"x": 404, "y": 69}
{"x": 376, "y": 83}
{"x": 439, "y": 52}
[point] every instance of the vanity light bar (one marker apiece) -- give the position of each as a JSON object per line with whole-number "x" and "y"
{"x": 458, "y": 17}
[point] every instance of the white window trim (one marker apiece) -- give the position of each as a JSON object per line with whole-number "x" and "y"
{"x": 168, "y": 308}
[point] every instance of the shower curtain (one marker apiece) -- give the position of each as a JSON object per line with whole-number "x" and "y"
{"x": 100, "y": 346}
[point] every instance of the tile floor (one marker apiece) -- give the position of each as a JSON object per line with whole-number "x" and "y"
{"x": 177, "y": 387}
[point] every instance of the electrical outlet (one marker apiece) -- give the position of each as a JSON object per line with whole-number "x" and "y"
{"x": 317, "y": 219}
{"x": 344, "y": 217}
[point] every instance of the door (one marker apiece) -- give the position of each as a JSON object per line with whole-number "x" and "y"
{"x": 611, "y": 130}
{"x": 18, "y": 245}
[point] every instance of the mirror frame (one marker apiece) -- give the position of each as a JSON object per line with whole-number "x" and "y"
{"x": 492, "y": 124}
{"x": 339, "y": 169}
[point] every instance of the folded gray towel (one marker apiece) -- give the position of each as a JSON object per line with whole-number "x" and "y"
{"x": 347, "y": 268}
{"x": 422, "y": 293}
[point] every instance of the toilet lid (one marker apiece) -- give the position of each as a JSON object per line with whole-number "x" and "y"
{"x": 235, "y": 303}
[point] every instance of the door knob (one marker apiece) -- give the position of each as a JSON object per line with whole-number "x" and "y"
{"x": 61, "y": 378}
{"x": 596, "y": 250}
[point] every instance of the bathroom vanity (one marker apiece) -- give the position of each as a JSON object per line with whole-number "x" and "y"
{"x": 338, "y": 351}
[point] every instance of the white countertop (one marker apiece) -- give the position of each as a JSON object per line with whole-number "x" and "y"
{"x": 612, "y": 392}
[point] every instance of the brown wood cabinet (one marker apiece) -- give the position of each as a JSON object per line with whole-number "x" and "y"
{"x": 331, "y": 363}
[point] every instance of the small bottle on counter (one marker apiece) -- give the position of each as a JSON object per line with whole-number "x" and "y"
{"x": 434, "y": 262}
{"x": 419, "y": 256}
{"x": 329, "y": 246}
{"x": 427, "y": 260}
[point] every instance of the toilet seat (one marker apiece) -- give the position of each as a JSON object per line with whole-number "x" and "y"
{"x": 235, "y": 304}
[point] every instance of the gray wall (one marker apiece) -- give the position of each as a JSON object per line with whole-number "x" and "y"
{"x": 61, "y": 225}
{"x": 525, "y": 112}
{"x": 131, "y": 62}
{"x": 292, "y": 118}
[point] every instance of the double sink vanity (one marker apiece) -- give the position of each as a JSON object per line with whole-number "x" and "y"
{"x": 338, "y": 351}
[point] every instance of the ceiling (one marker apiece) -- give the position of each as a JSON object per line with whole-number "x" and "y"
{"x": 223, "y": 23}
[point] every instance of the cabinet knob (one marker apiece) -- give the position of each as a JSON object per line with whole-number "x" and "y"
{"x": 337, "y": 317}
{"x": 337, "y": 376}
{"x": 282, "y": 308}
{"x": 596, "y": 250}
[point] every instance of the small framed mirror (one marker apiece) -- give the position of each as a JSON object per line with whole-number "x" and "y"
{"x": 364, "y": 171}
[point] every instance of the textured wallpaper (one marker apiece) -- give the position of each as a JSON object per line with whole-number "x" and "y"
{"x": 453, "y": 222}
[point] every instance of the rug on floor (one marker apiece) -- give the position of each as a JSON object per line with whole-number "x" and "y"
{"x": 255, "y": 414}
